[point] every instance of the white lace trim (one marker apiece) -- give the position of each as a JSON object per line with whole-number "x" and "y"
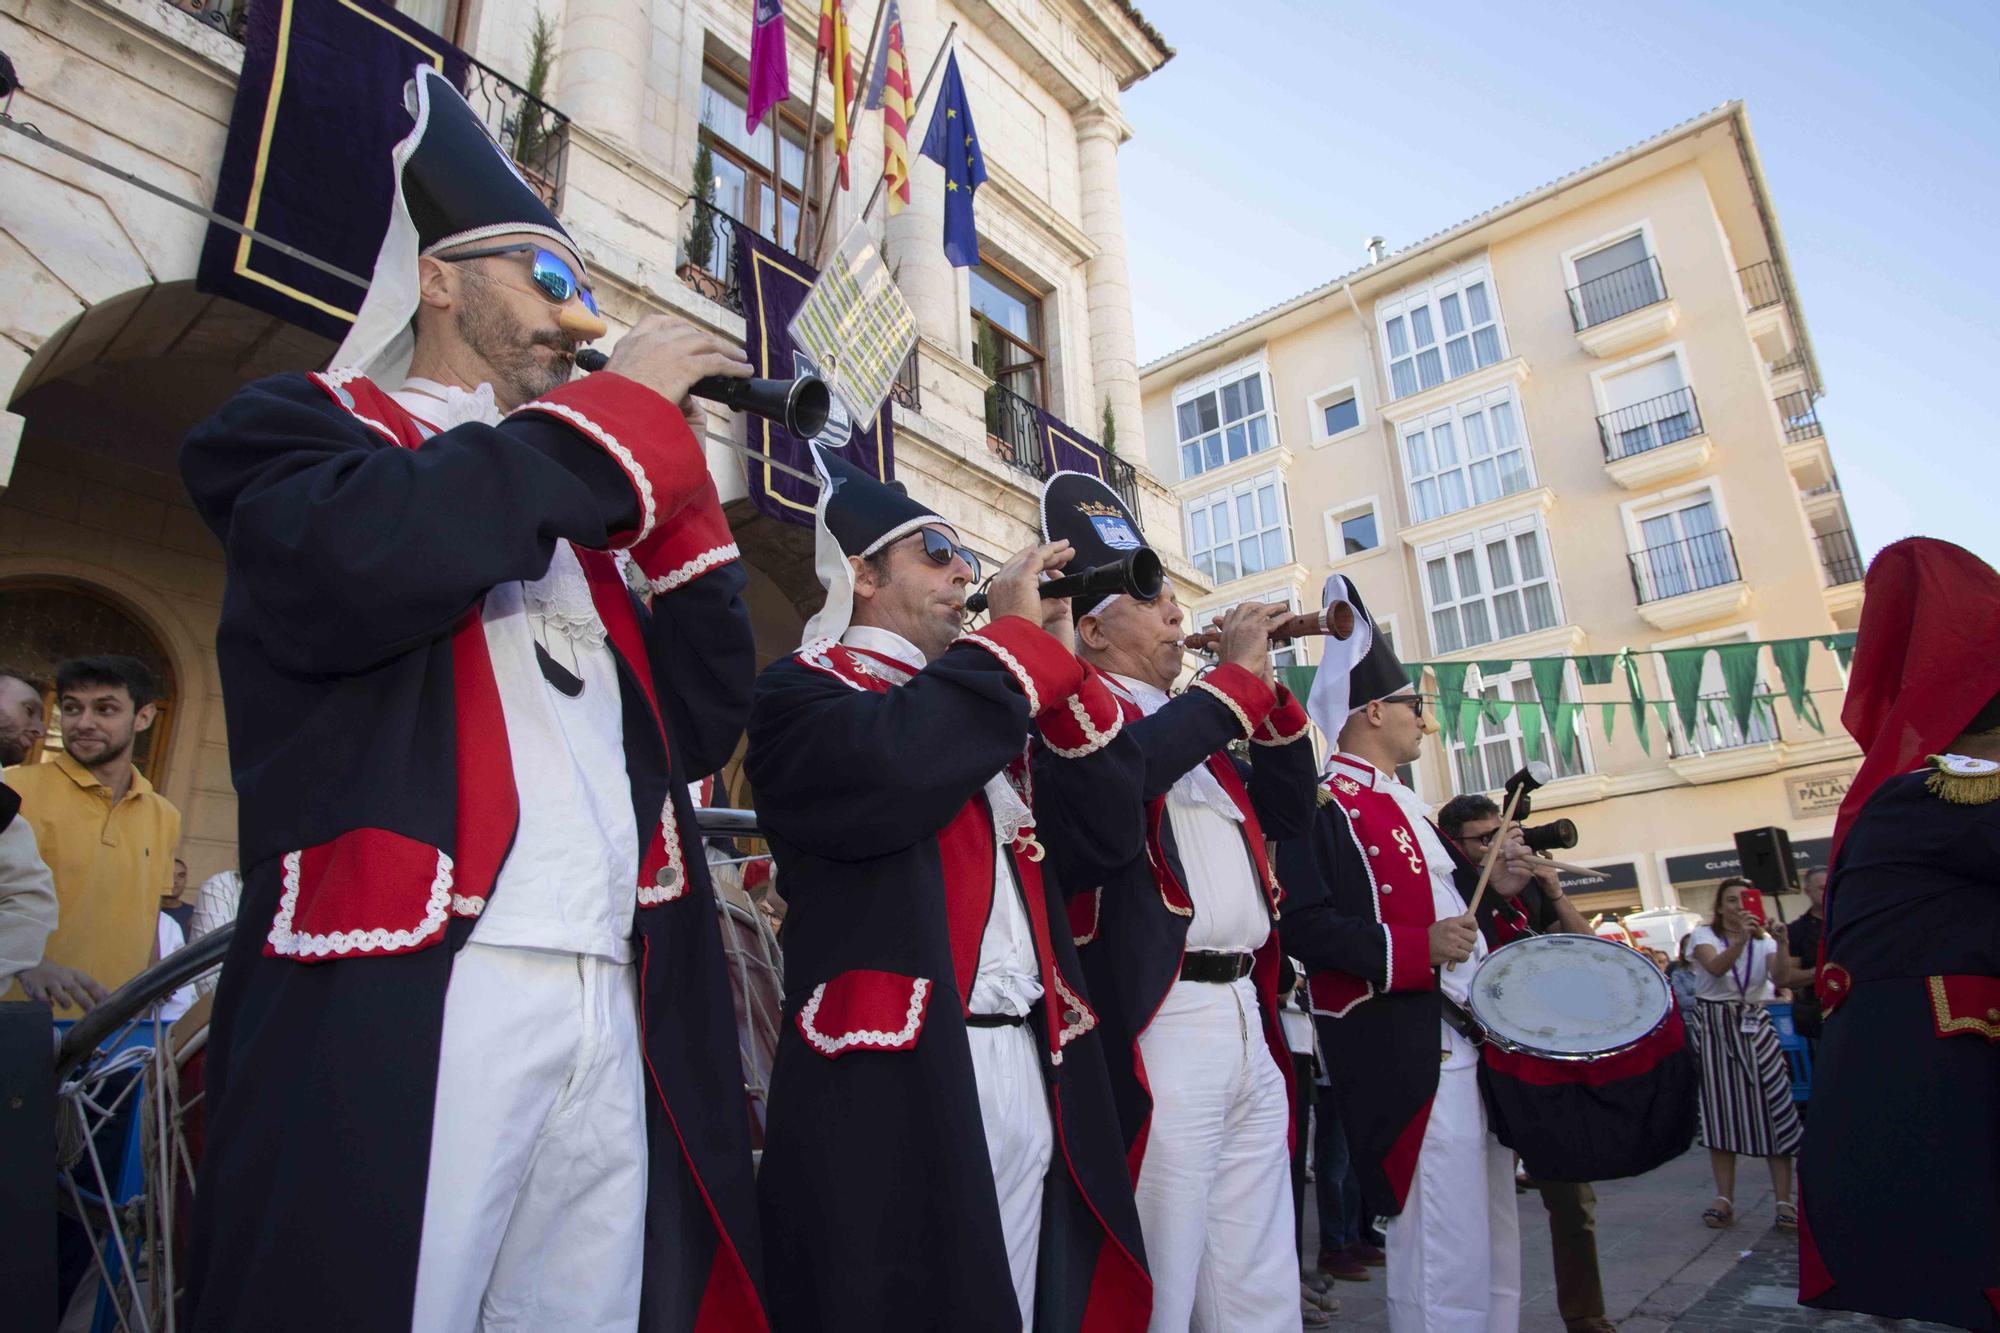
{"x": 1096, "y": 911}
{"x": 467, "y": 905}
{"x": 337, "y": 381}
{"x": 1234, "y": 707}
{"x": 1275, "y": 738}
{"x": 693, "y": 569}
{"x": 648, "y": 511}
{"x": 1388, "y": 954}
{"x": 301, "y": 944}
{"x": 1093, "y": 739}
{"x": 461, "y": 406}
{"x": 878, "y": 1038}
{"x": 1086, "y": 1017}
{"x": 1012, "y": 664}
{"x": 651, "y": 894}
{"x": 561, "y": 599}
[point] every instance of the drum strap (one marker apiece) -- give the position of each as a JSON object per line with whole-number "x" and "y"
{"x": 1463, "y": 1023}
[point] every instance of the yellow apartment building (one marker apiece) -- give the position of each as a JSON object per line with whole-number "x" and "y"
{"x": 1580, "y": 422}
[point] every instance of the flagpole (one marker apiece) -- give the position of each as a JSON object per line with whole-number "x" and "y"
{"x": 777, "y": 113}
{"x": 808, "y": 175}
{"x": 819, "y": 241}
{"x": 916, "y": 116}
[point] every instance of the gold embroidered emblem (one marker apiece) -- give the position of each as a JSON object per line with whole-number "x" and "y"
{"x": 1408, "y": 847}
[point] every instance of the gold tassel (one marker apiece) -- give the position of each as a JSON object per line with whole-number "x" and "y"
{"x": 1962, "y": 788}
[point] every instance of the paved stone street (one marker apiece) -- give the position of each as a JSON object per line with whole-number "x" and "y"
{"x": 1662, "y": 1268}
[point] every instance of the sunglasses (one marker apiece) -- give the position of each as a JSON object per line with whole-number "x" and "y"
{"x": 550, "y": 271}
{"x": 941, "y": 549}
{"x": 1415, "y": 701}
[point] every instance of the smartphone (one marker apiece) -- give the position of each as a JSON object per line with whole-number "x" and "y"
{"x": 1753, "y": 903}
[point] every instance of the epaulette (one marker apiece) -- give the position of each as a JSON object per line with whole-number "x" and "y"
{"x": 1963, "y": 780}
{"x": 1325, "y": 796}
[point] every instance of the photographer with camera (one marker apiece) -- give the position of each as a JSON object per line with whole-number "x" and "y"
{"x": 1472, "y": 822}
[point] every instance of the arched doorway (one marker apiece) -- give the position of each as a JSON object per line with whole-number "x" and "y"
{"x": 44, "y": 623}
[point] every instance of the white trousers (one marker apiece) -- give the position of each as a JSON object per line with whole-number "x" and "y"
{"x": 1020, "y": 1143}
{"x": 1454, "y": 1253}
{"x": 534, "y": 1217}
{"x": 1215, "y": 1188}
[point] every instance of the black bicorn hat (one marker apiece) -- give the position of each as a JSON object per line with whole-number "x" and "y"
{"x": 1094, "y": 519}
{"x": 454, "y": 186}
{"x": 857, "y": 515}
{"x": 1355, "y": 671}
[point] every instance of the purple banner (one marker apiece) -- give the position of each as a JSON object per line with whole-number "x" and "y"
{"x": 1069, "y": 450}
{"x": 773, "y": 283}
{"x": 307, "y": 159}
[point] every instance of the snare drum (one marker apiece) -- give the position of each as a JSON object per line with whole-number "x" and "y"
{"x": 1585, "y": 1064}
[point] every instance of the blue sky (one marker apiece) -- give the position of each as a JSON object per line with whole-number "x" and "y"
{"x": 1288, "y": 131}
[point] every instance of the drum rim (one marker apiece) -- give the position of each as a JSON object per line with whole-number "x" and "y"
{"x": 1579, "y": 1057}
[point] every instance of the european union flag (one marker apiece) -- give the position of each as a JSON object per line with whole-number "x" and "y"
{"x": 953, "y": 143}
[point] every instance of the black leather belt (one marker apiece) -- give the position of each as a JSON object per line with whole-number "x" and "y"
{"x": 1200, "y": 965}
{"x": 995, "y": 1020}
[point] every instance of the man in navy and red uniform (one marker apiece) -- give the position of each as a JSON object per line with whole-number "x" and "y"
{"x": 472, "y": 1061}
{"x": 1899, "y": 1178}
{"x": 1179, "y": 943}
{"x": 1377, "y": 913}
{"x": 941, "y": 1150}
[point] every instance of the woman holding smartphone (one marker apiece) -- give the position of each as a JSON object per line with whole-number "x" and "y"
{"x": 1746, "y": 1087}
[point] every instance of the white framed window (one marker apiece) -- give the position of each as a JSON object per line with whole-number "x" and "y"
{"x": 1647, "y": 403}
{"x": 1492, "y": 584}
{"x": 1290, "y": 655}
{"x": 1223, "y": 418}
{"x": 1352, "y": 530}
{"x": 1498, "y": 750}
{"x": 1336, "y": 412}
{"x": 1438, "y": 332}
{"x": 1239, "y": 529}
{"x": 1682, "y": 546}
{"x": 1614, "y": 277}
{"x": 1466, "y": 454}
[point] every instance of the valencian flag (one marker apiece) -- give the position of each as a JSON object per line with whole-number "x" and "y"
{"x": 889, "y": 88}
{"x": 953, "y": 142}
{"x": 319, "y": 106}
{"x": 770, "y": 68}
{"x": 839, "y": 57}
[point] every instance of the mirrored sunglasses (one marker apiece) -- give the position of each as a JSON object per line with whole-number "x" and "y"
{"x": 941, "y": 549}
{"x": 549, "y": 271}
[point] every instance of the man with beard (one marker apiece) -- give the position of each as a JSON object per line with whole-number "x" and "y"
{"x": 27, "y": 890}
{"x": 107, "y": 836}
{"x": 472, "y": 1062}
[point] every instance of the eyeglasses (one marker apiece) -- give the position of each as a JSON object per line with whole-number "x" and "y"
{"x": 550, "y": 272}
{"x": 941, "y": 549}
{"x": 1415, "y": 701}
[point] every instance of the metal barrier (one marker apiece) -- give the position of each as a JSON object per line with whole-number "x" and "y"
{"x": 1705, "y": 560}
{"x": 1649, "y": 425}
{"x": 1619, "y": 292}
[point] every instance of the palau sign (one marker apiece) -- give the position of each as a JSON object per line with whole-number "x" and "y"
{"x": 1818, "y": 795}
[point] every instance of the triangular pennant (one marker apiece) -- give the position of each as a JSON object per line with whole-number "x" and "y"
{"x": 1299, "y": 680}
{"x": 1450, "y": 687}
{"x": 1842, "y": 645}
{"x": 1496, "y": 709}
{"x": 1531, "y": 731}
{"x": 1665, "y": 713}
{"x": 1610, "y": 721}
{"x": 1415, "y": 671}
{"x": 1791, "y": 656}
{"x": 1739, "y": 680}
{"x": 1812, "y": 715}
{"x": 1495, "y": 670}
{"x": 1468, "y": 722}
{"x": 1595, "y": 668}
{"x": 1684, "y": 682}
{"x": 1635, "y": 695}
{"x": 1548, "y": 674}
{"x": 1565, "y": 730}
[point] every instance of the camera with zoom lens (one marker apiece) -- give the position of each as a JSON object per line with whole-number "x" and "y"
{"x": 1544, "y": 838}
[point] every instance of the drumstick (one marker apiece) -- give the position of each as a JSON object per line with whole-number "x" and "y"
{"x": 1492, "y": 855}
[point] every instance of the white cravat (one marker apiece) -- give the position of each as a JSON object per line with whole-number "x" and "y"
{"x": 1230, "y": 914}
{"x": 1007, "y": 980}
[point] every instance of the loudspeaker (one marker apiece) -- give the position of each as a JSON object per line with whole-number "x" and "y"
{"x": 1766, "y": 854}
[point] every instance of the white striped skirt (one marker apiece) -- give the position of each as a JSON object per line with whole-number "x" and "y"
{"x": 1746, "y": 1086}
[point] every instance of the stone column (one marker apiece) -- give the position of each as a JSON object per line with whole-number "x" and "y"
{"x": 916, "y": 235}
{"x": 1113, "y": 357}
{"x": 606, "y": 46}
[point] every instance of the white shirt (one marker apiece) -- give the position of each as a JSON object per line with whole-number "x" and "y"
{"x": 1446, "y": 901}
{"x": 1749, "y": 979}
{"x": 182, "y": 1000}
{"x": 571, "y": 880}
{"x": 1007, "y": 980}
{"x": 1230, "y": 911}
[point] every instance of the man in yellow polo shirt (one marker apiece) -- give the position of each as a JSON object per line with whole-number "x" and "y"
{"x": 107, "y": 836}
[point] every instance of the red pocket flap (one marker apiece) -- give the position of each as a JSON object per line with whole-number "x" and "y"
{"x": 1966, "y": 1005}
{"x": 369, "y": 891}
{"x": 882, "y": 1011}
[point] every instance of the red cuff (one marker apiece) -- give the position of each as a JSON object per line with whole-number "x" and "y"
{"x": 644, "y": 433}
{"x": 1086, "y": 721}
{"x": 1409, "y": 966}
{"x": 1246, "y": 695}
{"x": 1047, "y": 672}
{"x": 1286, "y": 723}
{"x": 685, "y": 546}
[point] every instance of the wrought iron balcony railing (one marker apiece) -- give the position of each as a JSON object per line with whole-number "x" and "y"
{"x": 529, "y": 130}
{"x": 1800, "y": 416}
{"x": 1651, "y": 424}
{"x": 1839, "y": 557}
{"x": 708, "y": 256}
{"x": 1124, "y": 479}
{"x": 906, "y": 392}
{"x": 1616, "y": 293}
{"x": 1671, "y": 569}
{"x": 1761, "y": 285}
{"x": 1015, "y": 424}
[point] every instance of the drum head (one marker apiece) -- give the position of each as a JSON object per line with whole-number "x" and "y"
{"x": 1569, "y": 995}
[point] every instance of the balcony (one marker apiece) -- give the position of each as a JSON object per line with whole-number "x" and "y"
{"x": 1654, "y": 441}
{"x": 708, "y": 256}
{"x": 1016, "y": 434}
{"x": 1623, "y": 309}
{"x": 1762, "y": 287}
{"x": 1688, "y": 582}
{"x": 1800, "y": 418}
{"x": 1839, "y": 558}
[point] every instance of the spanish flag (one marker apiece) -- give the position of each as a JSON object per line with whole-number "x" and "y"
{"x": 834, "y": 49}
{"x": 889, "y": 88}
